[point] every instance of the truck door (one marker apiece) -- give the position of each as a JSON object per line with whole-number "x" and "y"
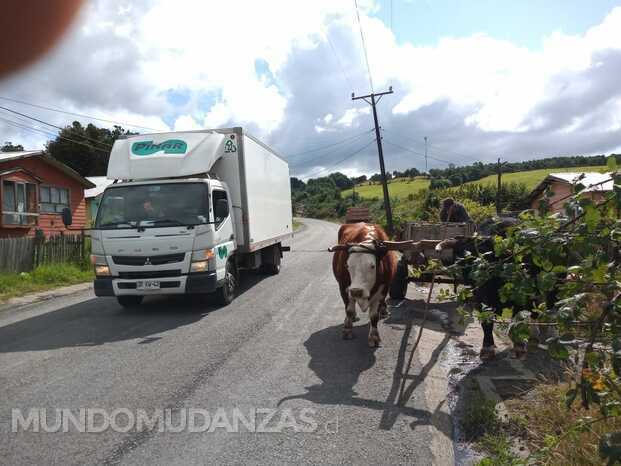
{"x": 224, "y": 244}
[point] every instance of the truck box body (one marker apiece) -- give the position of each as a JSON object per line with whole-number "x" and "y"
{"x": 258, "y": 178}
{"x": 261, "y": 198}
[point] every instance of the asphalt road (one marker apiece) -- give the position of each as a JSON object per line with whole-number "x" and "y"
{"x": 276, "y": 352}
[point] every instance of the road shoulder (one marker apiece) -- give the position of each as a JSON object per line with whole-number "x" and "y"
{"x": 16, "y": 303}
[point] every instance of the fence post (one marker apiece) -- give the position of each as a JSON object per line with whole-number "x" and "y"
{"x": 82, "y": 246}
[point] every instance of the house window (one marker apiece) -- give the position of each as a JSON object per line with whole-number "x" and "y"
{"x": 19, "y": 203}
{"x": 54, "y": 199}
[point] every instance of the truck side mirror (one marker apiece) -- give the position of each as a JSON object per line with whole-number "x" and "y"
{"x": 222, "y": 208}
{"x": 67, "y": 217}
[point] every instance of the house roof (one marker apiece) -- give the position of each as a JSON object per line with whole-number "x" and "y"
{"x": 592, "y": 181}
{"x": 100, "y": 182}
{"x": 6, "y": 156}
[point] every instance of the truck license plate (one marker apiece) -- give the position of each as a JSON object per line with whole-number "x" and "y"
{"x": 148, "y": 285}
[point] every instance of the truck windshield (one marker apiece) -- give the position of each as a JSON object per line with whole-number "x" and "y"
{"x": 153, "y": 205}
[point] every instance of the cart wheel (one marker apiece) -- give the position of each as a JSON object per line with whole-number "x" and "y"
{"x": 399, "y": 285}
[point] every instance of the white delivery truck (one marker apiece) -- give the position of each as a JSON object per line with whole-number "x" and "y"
{"x": 189, "y": 211}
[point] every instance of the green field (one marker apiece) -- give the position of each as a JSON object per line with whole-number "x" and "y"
{"x": 532, "y": 178}
{"x": 402, "y": 187}
{"x": 397, "y": 188}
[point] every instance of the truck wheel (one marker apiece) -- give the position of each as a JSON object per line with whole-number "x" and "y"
{"x": 129, "y": 300}
{"x": 399, "y": 284}
{"x": 226, "y": 293}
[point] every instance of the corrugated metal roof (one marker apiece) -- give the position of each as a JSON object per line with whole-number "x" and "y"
{"x": 4, "y": 156}
{"x": 592, "y": 181}
{"x": 100, "y": 182}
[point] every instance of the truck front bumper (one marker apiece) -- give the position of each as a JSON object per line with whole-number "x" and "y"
{"x": 195, "y": 283}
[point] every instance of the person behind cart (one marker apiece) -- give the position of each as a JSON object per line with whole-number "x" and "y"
{"x": 453, "y": 212}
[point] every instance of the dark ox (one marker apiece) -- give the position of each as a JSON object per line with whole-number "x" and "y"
{"x": 363, "y": 267}
{"x": 488, "y": 292}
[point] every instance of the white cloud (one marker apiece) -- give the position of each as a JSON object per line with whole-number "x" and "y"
{"x": 269, "y": 66}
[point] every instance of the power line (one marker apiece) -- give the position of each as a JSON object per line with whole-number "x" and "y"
{"x": 29, "y": 128}
{"x": 330, "y": 154}
{"x": 338, "y": 60}
{"x": 444, "y": 153}
{"x": 416, "y": 153}
{"x": 317, "y": 149}
{"x": 94, "y": 141}
{"x": 364, "y": 46}
{"x": 52, "y": 109}
{"x": 329, "y": 167}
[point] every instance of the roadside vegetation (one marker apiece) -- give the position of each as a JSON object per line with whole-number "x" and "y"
{"x": 576, "y": 260}
{"x": 42, "y": 278}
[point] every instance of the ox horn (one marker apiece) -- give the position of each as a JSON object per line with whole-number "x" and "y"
{"x": 446, "y": 244}
{"x": 339, "y": 247}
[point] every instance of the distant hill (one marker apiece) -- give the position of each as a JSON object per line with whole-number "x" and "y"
{"x": 401, "y": 187}
{"x": 532, "y": 178}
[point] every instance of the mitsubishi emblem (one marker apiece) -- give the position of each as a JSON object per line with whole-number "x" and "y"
{"x": 148, "y": 261}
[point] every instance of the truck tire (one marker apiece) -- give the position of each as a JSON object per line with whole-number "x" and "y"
{"x": 399, "y": 285}
{"x": 226, "y": 293}
{"x": 129, "y": 301}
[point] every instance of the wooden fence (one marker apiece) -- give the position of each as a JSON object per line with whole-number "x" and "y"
{"x": 24, "y": 254}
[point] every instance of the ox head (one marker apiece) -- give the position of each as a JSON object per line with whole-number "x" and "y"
{"x": 363, "y": 261}
{"x": 363, "y": 265}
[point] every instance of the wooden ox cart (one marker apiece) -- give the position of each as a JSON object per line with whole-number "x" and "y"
{"x": 427, "y": 236}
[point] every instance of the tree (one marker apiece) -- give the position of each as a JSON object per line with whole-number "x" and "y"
{"x": 439, "y": 183}
{"x": 297, "y": 184}
{"x": 9, "y": 147}
{"x": 341, "y": 181}
{"x": 86, "y": 149}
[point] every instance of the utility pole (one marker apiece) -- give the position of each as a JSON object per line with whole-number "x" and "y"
{"x": 499, "y": 170}
{"x": 380, "y": 152}
{"x": 426, "y": 170}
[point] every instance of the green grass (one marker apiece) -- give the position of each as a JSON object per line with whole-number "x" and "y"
{"x": 532, "y": 178}
{"x": 42, "y": 278}
{"x": 297, "y": 225}
{"x": 399, "y": 187}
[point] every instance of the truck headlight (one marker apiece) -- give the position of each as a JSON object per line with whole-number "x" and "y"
{"x": 203, "y": 260}
{"x": 102, "y": 270}
{"x": 199, "y": 266}
{"x": 101, "y": 265}
{"x": 96, "y": 259}
{"x": 203, "y": 254}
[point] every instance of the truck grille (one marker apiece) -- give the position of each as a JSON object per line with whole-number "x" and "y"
{"x": 149, "y": 260}
{"x": 150, "y": 274}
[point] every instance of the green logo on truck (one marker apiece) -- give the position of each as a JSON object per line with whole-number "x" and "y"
{"x": 170, "y": 146}
{"x": 223, "y": 252}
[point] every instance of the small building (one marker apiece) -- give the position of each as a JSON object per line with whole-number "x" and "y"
{"x": 34, "y": 190}
{"x": 93, "y": 196}
{"x": 561, "y": 185}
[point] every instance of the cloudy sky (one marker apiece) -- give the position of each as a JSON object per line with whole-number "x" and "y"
{"x": 479, "y": 78}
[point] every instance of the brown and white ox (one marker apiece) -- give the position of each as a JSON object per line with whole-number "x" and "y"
{"x": 364, "y": 267}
